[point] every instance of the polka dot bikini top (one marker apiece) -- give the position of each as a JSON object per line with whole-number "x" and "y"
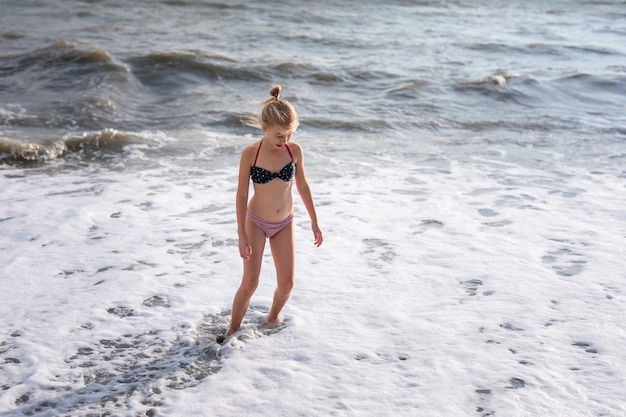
{"x": 262, "y": 176}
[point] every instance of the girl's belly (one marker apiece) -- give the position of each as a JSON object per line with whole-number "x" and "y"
{"x": 270, "y": 206}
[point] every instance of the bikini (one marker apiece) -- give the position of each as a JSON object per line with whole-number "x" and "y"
{"x": 262, "y": 176}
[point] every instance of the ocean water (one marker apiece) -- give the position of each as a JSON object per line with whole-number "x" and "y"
{"x": 468, "y": 163}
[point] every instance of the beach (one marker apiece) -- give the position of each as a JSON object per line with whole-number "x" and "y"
{"x": 467, "y": 164}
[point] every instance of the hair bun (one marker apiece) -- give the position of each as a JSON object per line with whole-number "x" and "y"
{"x": 275, "y": 92}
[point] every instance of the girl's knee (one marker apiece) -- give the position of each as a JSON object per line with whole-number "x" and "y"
{"x": 286, "y": 285}
{"x": 249, "y": 286}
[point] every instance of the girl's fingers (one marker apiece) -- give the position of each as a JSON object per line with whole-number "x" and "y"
{"x": 245, "y": 251}
{"x": 318, "y": 238}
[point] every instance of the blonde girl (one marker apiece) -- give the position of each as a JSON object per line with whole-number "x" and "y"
{"x": 271, "y": 163}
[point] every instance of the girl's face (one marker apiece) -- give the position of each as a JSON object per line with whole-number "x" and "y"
{"x": 278, "y": 136}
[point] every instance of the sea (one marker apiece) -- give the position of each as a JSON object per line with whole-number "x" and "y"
{"x": 468, "y": 165}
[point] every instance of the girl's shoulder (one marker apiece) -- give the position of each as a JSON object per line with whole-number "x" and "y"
{"x": 248, "y": 153}
{"x": 294, "y": 147}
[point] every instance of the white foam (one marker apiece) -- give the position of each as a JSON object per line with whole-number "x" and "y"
{"x": 485, "y": 287}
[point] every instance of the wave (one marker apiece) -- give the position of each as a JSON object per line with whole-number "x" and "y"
{"x": 196, "y": 67}
{"x": 63, "y": 65}
{"x": 408, "y": 89}
{"x": 500, "y": 88}
{"x": 307, "y": 73}
{"x": 173, "y": 68}
{"x": 12, "y": 35}
{"x": 69, "y": 68}
{"x": 87, "y": 146}
{"x": 12, "y": 150}
{"x": 211, "y": 5}
{"x": 539, "y": 48}
{"x": 529, "y": 90}
{"x": 594, "y": 83}
{"x": 162, "y": 90}
{"x": 367, "y": 125}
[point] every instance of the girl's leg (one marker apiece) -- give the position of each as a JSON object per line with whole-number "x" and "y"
{"x": 283, "y": 251}
{"x": 250, "y": 279}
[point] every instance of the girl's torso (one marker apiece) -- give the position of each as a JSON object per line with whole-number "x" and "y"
{"x": 272, "y": 173}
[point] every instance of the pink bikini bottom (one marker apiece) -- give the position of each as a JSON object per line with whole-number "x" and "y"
{"x": 270, "y": 228}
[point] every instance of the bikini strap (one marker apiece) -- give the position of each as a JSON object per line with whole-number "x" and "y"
{"x": 288, "y": 150}
{"x": 257, "y": 153}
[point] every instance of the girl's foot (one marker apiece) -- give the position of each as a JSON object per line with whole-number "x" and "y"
{"x": 273, "y": 322}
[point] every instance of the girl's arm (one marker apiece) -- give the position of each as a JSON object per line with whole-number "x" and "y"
{"x": 305, "y": 194}
{"x": 241, "y": 204}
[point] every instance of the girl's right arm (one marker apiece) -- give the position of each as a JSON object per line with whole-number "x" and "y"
{"x": 241, "y": 204}
{"x": 305, "y": 193}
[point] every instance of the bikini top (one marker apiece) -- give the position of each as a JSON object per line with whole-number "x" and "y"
{"x": 262, "y": 176}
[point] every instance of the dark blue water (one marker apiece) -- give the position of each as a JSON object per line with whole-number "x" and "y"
{"x": 530, "y": 73}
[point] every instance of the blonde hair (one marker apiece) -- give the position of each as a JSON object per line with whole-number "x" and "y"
{"x": 275, "y": 112}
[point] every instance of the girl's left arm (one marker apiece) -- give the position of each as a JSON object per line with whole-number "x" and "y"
{"x": 306, "y": 195}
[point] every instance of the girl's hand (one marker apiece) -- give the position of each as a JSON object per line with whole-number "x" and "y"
{"x": 245, "y": 250}
{"x": 317, "y": 235}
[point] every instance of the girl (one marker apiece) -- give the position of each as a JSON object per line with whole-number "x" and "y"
{"x": 271, "y": 163}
